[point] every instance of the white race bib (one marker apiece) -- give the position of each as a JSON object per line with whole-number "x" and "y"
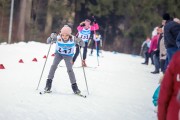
{"x": 84, "y": 34}
{"x": 96, "y": 37}
{"x": 65, "y": 48}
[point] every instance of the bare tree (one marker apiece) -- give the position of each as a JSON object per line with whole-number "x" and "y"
{"x": 49, "y": 19}
{"x": 28, "y": 20}
{"x": 28, "y": 11}
{"x": 21, "y": 25}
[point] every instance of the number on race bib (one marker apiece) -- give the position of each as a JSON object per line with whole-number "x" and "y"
{"x": 84, "y": 36}
{"x": 65, "y": 51}
{"x": 59, "y": 50}
{"x": 69, "y": 50}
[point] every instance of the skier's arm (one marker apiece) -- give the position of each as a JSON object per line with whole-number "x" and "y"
{"x": 94, "y": 27}
{"x": 81, "y": 25}
{"x": 143, "y": 44}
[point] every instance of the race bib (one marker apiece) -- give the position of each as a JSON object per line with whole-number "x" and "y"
{"x": 96, "y": 37}
{"x": 84, "y": 34}
{"x": 65, "y": 48}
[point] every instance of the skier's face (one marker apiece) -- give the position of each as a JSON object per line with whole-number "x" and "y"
{"x": 65, "y": 36}
{"x": 87, "y": 23}
{"x": 97, "y": 35}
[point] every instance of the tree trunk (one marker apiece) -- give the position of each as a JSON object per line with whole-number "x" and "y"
{"x": 28, "y": 20}
{"x": 2, "y": 22}
{"x": 49, "y": 19}
{"x": 28, "y": 11}
{"x": 21, "y": 26}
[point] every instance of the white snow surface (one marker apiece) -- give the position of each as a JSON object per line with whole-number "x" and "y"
{"x": 120, "y": 88}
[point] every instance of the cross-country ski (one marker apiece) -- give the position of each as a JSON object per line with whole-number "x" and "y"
{"x": 48, "y": 92}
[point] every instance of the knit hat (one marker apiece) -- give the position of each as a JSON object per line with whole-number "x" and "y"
{"x": 166, "y": 16}
{"x": 66, "y": 30}
{"x": 88, "y": 20}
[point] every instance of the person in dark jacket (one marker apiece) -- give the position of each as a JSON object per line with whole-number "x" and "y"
{"x": 178, "y": 41}
{"x": 178, "y": 37}
{"x": 171, "y": 30}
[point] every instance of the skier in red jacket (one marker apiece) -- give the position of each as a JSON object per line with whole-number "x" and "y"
{"x": 168, "y": 106}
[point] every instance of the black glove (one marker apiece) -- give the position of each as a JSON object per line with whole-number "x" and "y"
{"x": 82, "y": 24}
{"x": 94, "y": 20}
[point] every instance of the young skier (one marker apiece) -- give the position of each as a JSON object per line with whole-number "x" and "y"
{"x": 156, "y": 94}
{"x": 65, "y": 44}
{"x": 97, "y": 41}
{"x": 84, "y": 32}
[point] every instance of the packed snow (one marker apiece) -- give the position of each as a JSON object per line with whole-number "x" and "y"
{"x": 120, "y": 88}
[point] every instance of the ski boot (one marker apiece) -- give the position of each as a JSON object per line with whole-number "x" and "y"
{"x": 97, "y": 54}
{"x": 75, "y": 89}
{"x": 48, "y": 85}
{"x": 84, "y": 63}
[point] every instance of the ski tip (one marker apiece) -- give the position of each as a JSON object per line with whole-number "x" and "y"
{"x": 44, "y": 92}
{"x": 84, "y": 96}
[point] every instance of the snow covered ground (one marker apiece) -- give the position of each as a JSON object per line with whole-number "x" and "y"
{"x": 120, "y": 88}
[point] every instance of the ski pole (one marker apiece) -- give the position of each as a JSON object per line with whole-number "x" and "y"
{"x": 95, "y": 42}
{"x": 97, "y": 53}
{"x": 83, "y": 70}
{"x": 100, "y": 46}
{"x": 44, "y": 66}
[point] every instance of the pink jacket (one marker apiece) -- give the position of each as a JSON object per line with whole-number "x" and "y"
{"x": 154, "y": 43}
{"x": 168, "y": 106}
{"x": 92, "y": 27}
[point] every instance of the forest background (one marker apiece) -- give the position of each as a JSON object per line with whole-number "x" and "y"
{"x": 124, "y": 24}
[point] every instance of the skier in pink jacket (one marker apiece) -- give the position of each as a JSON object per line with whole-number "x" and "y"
{"x": 85, "y": 32}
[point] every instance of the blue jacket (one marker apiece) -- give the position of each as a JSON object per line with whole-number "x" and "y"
{"x": 155, "y": 96}
{"x": 178, "y": 41}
